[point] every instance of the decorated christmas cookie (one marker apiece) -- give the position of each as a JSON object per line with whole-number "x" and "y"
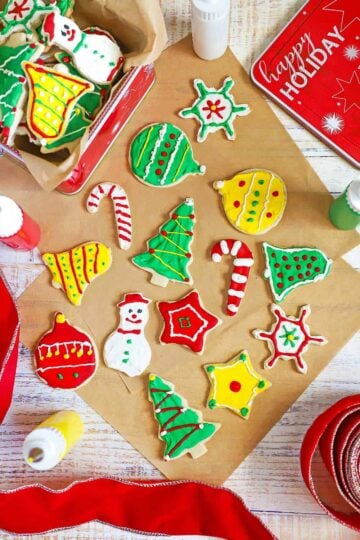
{"x": 95, "y": 53}
{"x": 13, "y": 86}
{"x": 161, "y": 156}
{"x": 121, "y": 209}
{"x": 24, "y": 16}
{"x": 254, "y": 200}
{"x": 243, "y": 261}
{"x": 127, "y": 348}
{"x": 289, "y": 268}
{"x": 52, "y": 97}
{"x": 289, "y": 338}
{"x": 235, "y": 384}
{"x": 65, "y": 357}
{"x": 186, "y": 322}
{"x": 73, "y": 270}
{"x": 181, "y": 428}
{"x": 215, "y": 109}
{"x": 168, "y": 255}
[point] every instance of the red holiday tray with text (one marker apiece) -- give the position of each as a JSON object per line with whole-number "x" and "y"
{"x": 312, "y": 70}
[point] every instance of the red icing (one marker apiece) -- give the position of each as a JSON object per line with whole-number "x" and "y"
{"x": 304, "y": 257}
{"x": 161, "y": 162}
{"x": 280, "y": 285}
{"x": 284, "y": 258}
{"x": 317, "y": 269}
{"x": 236, "y": 204}
{"x": 242, "y": 183}
{"x": 57, "y": 370}
{"x": 296, "y": 258}
{"x": 275, "y": 193}
{"x": 172, "y": 136}
{"x": 164, "y": 154}
{"x": 298, "y": 266}
{"x": 158, "y": 172}
{"x": 167, "y": 145}
{"x": 235, "y": 386}
{"x": 164, "y": 233}
{"x": 186, "y": 322}
{"x": 151, "y": 250}
{"x": 268, "y": 214}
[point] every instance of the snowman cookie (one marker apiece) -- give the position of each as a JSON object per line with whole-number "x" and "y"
{"x": 95, "y": 53}
{"x": 127, "y": 348}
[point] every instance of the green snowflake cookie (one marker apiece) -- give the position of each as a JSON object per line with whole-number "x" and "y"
{"x": 289, "y": 268}
{"x": 161, "y": 156}
{"x": 215, "y": 109}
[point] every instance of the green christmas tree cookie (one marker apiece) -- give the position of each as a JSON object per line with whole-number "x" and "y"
{"x": 181, "y": 428}
{"x": 161, "y": 156}
{"x": 168, "y": 255}
{"x": 289, "y": 268}
{"x": 215, "y": 109}
{"x": 13, "y": 85}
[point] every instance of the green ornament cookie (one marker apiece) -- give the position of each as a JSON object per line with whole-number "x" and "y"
{"x": 289, "y": 268}
{"x": 13, "y": 86}
{"x": 168, "y": 255}
{"x": 215, "y": 109}
{"x": 161, "y": 156}
{"x": 181, "y": 428}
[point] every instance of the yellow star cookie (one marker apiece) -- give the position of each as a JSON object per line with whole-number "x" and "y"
{"x": 235, "y": 384}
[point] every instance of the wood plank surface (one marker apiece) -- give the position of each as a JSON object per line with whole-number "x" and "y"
{"x": 269, "y": 480}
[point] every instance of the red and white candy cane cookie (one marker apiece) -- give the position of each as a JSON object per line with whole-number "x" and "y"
{"x": 243, "y": 261}
{"x": 121, "y": 208}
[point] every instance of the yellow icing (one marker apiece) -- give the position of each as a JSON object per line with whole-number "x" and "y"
{"x": 46, "y": 86}
{"x": 74, "y": 269}
{"x": 237, "y": 371}
{"x": 254, "y": 200}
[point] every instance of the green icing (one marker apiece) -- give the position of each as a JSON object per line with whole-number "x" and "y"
{"x": 168, "y": 252}
{"x": 289, "y": 268}
{"x": 12, "y": 84}
{"x": 161, "y": 155}
{"x": 181, "y": 428}
{"x": 215, "y": 109}
{"x": 76, "y": 128}
{"x": 22, "y": 16}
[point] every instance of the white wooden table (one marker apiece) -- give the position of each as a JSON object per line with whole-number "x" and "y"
{"x": 269, "y": 480}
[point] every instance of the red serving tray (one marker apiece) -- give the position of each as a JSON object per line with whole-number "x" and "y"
{"x": 312, "y": 69}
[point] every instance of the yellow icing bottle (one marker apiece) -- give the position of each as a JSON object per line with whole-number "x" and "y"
{"x": 49, "y": 443}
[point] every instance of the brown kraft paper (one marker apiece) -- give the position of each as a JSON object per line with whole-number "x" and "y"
{"x": 261, "y": 142}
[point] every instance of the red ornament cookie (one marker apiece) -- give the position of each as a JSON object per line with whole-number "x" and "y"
{"x": 186, "y": 322}
{"x": 65, "y": 357}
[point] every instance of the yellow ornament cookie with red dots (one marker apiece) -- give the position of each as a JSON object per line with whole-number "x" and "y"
{"x": 254, "y": 200}
{"x": 235, "y": 384}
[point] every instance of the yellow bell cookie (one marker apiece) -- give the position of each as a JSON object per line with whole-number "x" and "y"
{"x": 235, "y": 384}
{"x": 73, "y": 270}
{"x": 254, "y": 200}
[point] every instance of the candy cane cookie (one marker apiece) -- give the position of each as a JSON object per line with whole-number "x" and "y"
{"x": 121, "y": 209}
{"x": 243, "y": 261}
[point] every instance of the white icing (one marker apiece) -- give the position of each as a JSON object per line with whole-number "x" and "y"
{"x": 238, "y": 278}
{"x": 216, "y": 257}
{"x": 224, "y": 247}
{"x": 11, "y": 217}
{"x": 235, "y": 249}
{"x": 243, "y": 262}
{"x": 238, "y": 294}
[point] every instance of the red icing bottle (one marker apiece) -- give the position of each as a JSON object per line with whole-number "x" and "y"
{"x": 17, "y": 229}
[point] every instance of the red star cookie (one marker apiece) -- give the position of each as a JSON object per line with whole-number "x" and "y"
{"x": 186, "y": 322}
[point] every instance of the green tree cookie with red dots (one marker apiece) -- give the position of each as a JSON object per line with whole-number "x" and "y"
{"x": 181, "y": 428}
{"x": 289, "y": 268}
{"x": 168, "y": 255}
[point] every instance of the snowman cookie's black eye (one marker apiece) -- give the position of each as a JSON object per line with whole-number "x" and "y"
{"x": 130, "y": 310}
{"x": 63, "y": 33}
{"x": 66, "y": 26}
{"x": 139, "y": 310}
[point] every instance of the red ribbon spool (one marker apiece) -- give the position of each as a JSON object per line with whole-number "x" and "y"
{"x": 9, "y": 345}
{"x": 336, "y": 432}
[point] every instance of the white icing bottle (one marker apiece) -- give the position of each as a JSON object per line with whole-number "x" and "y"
{"x": 210, "y": 27}
{"x": 49, "y": 443}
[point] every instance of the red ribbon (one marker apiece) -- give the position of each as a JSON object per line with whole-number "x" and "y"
{"x": 9, "y": 345}
{"x": 172, "y": 508}
{"x": 336, "y": 432}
